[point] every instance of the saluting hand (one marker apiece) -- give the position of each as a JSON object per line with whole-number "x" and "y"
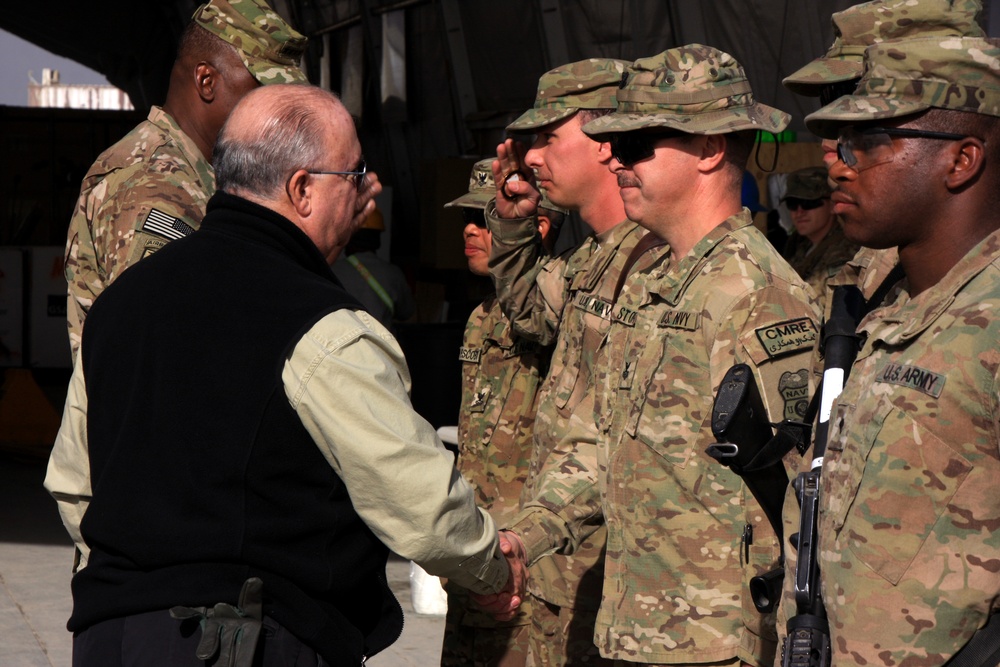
{"x": 517, "y": 196}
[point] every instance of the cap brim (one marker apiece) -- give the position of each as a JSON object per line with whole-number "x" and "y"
{"x": 267, "y": 72}
{"x": 532, "y": 119}
{"x": 853, "y": 109}
{"x": 811, "y": 79}
{"x": 757, "y": 117}
{"x": 471, "y": 200}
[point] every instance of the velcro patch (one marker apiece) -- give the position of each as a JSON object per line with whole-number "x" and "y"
{"x": 914, "y": 377}
{"x": 594, "y": 305}
{"x": 521, "y": 346}
{"x": 626, "y": 316}
{"x": 161, "y": 224}
{"x": 785, "y": 337}
{"x": 470, "y": 354}
{"x": 678, "y": 319}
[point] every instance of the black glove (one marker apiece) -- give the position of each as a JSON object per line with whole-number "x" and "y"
{"x": 229, "y": 632}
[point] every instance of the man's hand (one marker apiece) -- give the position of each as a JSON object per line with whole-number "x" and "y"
{"x": 364, "y": 204}
{"x": 517, "y": 196}
{"x": 503, "y": 605}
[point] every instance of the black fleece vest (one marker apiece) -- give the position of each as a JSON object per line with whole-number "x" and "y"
{"x": 202, "y": 473}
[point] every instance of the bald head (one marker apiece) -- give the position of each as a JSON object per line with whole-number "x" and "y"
{"x": 276, "y": 130}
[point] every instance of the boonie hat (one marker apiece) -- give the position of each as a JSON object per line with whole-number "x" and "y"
{"x": 587, "y": 84}
{"x": 482, "y": 189}
{"x": 695, "y": 89}
{"x": 808, "y": 183}
{"x": 270, "y": 48}
{"x": 908, "y": 76}
{"x": 858, "y": 27}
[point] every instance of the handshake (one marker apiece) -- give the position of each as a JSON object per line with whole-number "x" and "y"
{"x": 503, "y": 605}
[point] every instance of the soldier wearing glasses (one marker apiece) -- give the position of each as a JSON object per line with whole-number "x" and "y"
{"x": 908, "y": 502}
{"x": 684, "y": 534}
{"x": 817, "y": 249}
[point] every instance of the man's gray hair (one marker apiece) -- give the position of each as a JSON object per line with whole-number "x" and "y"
{"x": 291, "y": 137}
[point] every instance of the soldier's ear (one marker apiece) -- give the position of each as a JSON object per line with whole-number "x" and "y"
{"x": 967, "y": 161}
{"x": 206, "y": 78}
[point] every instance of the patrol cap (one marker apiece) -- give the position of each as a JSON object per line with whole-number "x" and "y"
{"x": 908, "y": 76}
{"x": 858, "y": 27}
{"x": 587, "y": 84}
{"x": 808, "y": 183}
{"x": 270, "y": 48}
{"x": 482, "y": 189}
{"x": 695, "y": 89}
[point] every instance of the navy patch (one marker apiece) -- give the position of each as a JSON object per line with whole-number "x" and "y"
{"x": 595, "y": 306}
{"x": 913, "y": 377}
{"x": 479, "y": 399}
{"x": 161, "y": 224}
{"x": 785, "y": 337}
{"x": 794, "y": 390}
{"x": 520, "y": 347}
{"x": 626, "y": 316}
{"x": 678, "y": 319}
{"x": 470, "y": 354}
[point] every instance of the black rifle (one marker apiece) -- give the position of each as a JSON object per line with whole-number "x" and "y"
{"x": 808, "y": 640}
{"x": 747, "y": 444}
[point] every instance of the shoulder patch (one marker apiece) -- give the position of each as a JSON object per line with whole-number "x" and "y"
{"x": 788, "y": 336}
{"x": 679, "y": 319}
{"x": 470, "y": 354}
{"x": 913, "y": 377}
{"x": 794, "y": 389}
{"x": 161, "y": 224}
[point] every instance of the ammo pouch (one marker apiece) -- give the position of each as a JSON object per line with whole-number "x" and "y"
{"x": 229, "y": 634}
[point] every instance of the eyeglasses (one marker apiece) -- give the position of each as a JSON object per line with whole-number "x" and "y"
{"x": 872, "y": 146}
{"x": 358, "y": 173}
{"x": 794, "y": 203}
{"x": 474, "y": 216}
{"x": 631, "y": 147}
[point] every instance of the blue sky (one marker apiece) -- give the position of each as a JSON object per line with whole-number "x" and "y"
{"x": 20, "y": 57}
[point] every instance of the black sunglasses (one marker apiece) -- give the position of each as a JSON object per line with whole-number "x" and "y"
{"x": 631, "y": 147}
{"x": 793, "y": 203}
{"x": 358, "y": 173}
{"x": 474, "y": 216}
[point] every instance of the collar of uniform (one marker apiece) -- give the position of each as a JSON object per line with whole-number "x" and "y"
{"x": 161, "y": 119}
{"x": 677, "y": 276}
{"x": 907, "y": 318}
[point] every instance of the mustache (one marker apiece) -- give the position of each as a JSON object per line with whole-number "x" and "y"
{"x": 625, "y": 182}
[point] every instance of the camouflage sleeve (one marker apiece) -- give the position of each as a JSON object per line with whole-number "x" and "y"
{"x": 530, "y": 284}
{"x": 563, "y": 506}
{"x": 117, "y": 222}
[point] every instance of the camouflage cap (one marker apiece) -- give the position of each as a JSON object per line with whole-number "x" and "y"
{"x": 909, "y": 76}
{"x": 270, "y": 48}
{"x": 695, "y": 89}
{"x": 808, "y": 183}
{"x": 587, "y": 84}
{"x": 858, "y": 27}
{"x": 482, "y": 189}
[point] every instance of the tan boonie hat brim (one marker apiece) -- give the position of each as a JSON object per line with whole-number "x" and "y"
{"x": 586, "y": 84}
{"x": 862, "y": 25}
{"x": 269, "y": 48}
{"x": 695, "y": 89}
{"x": 472, "y": 200}
{"x": 908, "y": 76}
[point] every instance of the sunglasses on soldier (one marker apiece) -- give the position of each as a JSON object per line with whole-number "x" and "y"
{"x": 631, "y": 147}
{"x": 794, "y": 203}
{"x": 474, "y": 216}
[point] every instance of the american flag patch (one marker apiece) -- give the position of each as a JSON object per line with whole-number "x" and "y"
{"x": 158, "y": 222}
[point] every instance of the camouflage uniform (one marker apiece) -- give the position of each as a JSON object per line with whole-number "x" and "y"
{"x": 501, "y": 376}
{"x": 677, "y": 560}
{"x": 152, "y": 186}
{"x": 566, "y": 299}
{"x": 908, "y": 478}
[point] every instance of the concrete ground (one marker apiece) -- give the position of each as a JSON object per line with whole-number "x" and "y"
{"x": 35, "y": 560}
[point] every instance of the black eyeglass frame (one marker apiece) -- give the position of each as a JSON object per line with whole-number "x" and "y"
{"x": 472, "y": 215}
{"x": 848, "y": 158}
{"x": 792, "y": 203}
{"x": 638, "y": 145}
{"x": 358, "y": 173}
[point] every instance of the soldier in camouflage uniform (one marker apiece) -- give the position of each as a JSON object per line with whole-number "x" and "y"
{"x": 817, "y": 249}
{"x": 566, "y": 299}
{"x": 501, "y": 375}
{"x": 907, "y": 548}
{"x": 684, "y": 534}
{"x": 152, "y": 186}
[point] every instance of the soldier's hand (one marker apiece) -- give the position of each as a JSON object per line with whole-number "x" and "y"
{"x": 517, "y": 196}
{"x": 365, "y": 202}
{"x": 503, "y": 605}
